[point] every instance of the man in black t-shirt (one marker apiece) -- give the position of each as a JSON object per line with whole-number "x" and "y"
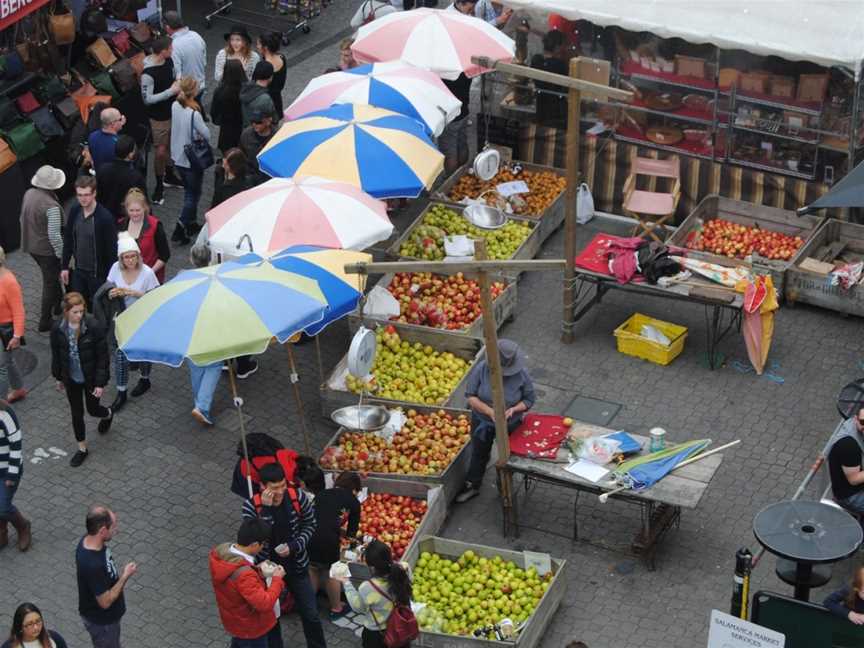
{"x": 845, "y": 461}
{"x": 100, "y": 586}
{"x": 551, "y": 98}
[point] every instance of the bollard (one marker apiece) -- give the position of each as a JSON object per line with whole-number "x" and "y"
{"x": 741, "y": 583}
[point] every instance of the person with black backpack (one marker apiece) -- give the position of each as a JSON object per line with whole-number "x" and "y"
{"x": 383, "y": 601}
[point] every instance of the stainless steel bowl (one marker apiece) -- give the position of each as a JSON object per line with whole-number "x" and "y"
{"x": 485, "y": 217}
{"x": 365, "y": 418}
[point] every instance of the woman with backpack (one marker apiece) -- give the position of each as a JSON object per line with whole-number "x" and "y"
{"x": 386, "y": 593}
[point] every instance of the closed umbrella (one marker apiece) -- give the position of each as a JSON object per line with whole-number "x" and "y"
{"x": 284, "y": 212}
{"x": 437, "y": 40}
{"x": 385, "y": 154}
{"x": 644, "y": 471}
{"x": 393, "y": 85}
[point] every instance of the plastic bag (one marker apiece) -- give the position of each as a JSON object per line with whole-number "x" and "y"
{"x": 599, "y": 450}
{"x": 380, "y": 302}
{"x": 654, "y": 334}
{"x": 584, "y": 204}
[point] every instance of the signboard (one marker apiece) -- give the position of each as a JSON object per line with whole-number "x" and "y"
{"x": 11, "y": 11}
{"x": 727, "y": 631}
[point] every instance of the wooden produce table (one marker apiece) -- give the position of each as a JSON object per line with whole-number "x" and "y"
{"x": 720, "y": 316}
{"x": 660, "y": 505}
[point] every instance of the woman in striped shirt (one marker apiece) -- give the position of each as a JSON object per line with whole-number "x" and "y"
{"x": 11, "y": 468}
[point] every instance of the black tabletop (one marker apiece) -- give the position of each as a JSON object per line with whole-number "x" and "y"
{"x": 807, "y": 531}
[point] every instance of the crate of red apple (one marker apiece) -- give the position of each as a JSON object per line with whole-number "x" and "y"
{"x": 734, "y": 232}
{"x": 448, "y": 303}
{"x": 431, "y": 448}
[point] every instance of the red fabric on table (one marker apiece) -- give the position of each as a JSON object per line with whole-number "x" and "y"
{"x": 595, "y": 256}
{"x": 539, "y": 441}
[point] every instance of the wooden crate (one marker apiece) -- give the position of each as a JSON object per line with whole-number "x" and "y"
{"x": 503, "y": 308}
{"x": 550, "y": 220}
{"x": 453, "y": 476}
{"x": 468, "y": 348}
{"x": 744, "y": 213}
{"x": 811, "y": 287}
{"x": 537, "y": 622}
{"x": 528, "y": 250}
{"x": 433, "y": 520}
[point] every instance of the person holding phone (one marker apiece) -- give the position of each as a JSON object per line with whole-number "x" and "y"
{"x": 292, "y": 517}
{"x": 79, "y": 364}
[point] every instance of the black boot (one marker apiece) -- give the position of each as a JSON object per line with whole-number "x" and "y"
{"x": 158, "y": 196}
{"x": 171, "y": 179}
{"x": 141, "y": 388}
{"x": 119, "y": 401}
{"x": 180, "y": 235}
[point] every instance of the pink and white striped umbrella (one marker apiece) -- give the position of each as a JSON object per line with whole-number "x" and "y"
{"x": 394, "y": 85}
{"x": 297, "y": 211}
{"x": 437, "y": 40}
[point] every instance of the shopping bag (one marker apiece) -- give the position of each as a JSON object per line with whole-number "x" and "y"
{"x": 584, "y": 204}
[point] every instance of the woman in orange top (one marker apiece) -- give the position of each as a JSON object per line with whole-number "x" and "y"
{"x": 11, "y": 331}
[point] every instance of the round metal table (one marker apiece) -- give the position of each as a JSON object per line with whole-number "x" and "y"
{"x": 807, "y": 533}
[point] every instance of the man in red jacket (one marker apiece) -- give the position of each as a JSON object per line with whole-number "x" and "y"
{"x": 247, "y": 595}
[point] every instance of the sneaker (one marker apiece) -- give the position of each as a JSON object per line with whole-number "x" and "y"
{"x": 78, "y": 458}
{"x": 16, "y": 395}
{"x": 201, "y": 417}
{"x": 253, "y": 367}
{"x": 171, "y": 179}
{"x": 119, "y": 401}
{"x": 469, "y": 491}
{"x": 158, "y": 197}
{"x": 105, "y": 423}
{"x": 141, "y": 388}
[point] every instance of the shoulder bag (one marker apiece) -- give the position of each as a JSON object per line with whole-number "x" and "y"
{"x": 67, "y": 113}
{"x": 27, "y": 103}
{"x": 7, "y": 156}
{"x": 198, "y": 150}
{"x": 402, "y": 626}
{"x": 61, "y": 25}
{"x": 101, "y": 54}
{"x": 24, "y": 140}
{"x": 46, "y": 123}
{"x": 123, "y": 74}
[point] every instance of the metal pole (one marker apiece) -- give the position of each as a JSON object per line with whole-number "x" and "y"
{"x": 741, "y": 583}
{"x": 295, "y": 384}
{"x": 238, "y": 403}
{"x": 574, "y": 111}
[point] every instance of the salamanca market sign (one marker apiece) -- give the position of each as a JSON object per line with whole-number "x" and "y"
{"x": 11, "y": 11}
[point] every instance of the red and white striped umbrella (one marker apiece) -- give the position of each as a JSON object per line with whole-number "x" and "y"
{"x": 437, "y": 40}
{"x": 284, "y": 212}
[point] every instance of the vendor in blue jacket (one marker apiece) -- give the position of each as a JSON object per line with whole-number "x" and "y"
{"x": 518, "y": 398}
{"x": 848, "y": 602}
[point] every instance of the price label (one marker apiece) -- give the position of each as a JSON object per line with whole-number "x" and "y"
{"x": 542, "y": 562}
{"x": 508, "y": 189}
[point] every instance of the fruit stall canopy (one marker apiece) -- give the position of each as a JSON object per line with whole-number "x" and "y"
{"x": 826, "y": 32}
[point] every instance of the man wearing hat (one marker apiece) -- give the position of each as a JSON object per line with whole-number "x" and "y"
{"x": 518, "y": 398}
{"x": 42, "y": 218}
{"x": 255, "y": 102}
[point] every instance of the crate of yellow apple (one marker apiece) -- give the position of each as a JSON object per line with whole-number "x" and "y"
{"x": 413, "y": 365}
{"x": 467, "y": 590}
{"x": 431, "y": 447}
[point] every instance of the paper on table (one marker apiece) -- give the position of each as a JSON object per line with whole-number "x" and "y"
{"x": 587, "y": 470}
{"x": 508, "y": 189}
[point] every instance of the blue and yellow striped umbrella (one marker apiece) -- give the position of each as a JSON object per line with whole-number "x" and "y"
{"x": 385, "y": 154}
{"x": 219, "y": 312}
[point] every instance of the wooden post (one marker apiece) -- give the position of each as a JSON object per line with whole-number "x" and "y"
{"x": 574, "y": 112}
{"x": 493, "y": 359}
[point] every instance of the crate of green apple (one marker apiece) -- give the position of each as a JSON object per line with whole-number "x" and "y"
{"x": 424, "y": 239}
{"x": 413, "y": 365}
{"x": 446, "y": 302}
{"x": 725, "y": 231}
{"x": 398, "y": 513}
{"x": 432, "y": 448}
{"x": 468, "y": 588}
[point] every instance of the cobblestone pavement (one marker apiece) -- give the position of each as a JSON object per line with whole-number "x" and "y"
{"x": 168, "y": 480}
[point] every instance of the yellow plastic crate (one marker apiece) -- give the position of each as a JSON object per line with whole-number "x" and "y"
{"x": 630, "y": 342}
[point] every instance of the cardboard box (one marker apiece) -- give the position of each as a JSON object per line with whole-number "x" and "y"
{"x": 781, "y": 86}
{"x": 812, "y": 87}
{"x": 729, "y": 77}
{"x": 690, "y": 66}
{"x": 595, "y": 71}
{"x": 754, "y": 82}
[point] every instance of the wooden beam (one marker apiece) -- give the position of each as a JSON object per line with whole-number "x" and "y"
{"x": 444, "y": 267}
{"x": 555, "y": 79}
{"x": 574, "y": 113}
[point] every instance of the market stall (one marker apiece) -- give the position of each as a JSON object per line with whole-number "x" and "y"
{"x": 757, "y": 107}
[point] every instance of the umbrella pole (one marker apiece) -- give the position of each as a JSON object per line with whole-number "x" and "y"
{"x": 318, "y": 355}
{"x": 295, "y": 380}
{"x": 238, "y": 403}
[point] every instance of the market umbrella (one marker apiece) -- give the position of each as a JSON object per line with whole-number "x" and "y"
{"x": 291, "y": 211}
{"x": 437, "y": 40}
{"x": 849, "y": 192}
{"x": 341, "y": 291}
{"x": 385, "y": 154}
{"x": 217, "y": 313}
{"x": 393, "y": 85}
{"x": 760, "y": 302}
{"x": 644, "y": 471}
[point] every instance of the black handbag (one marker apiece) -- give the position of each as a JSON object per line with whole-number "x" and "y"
{"x": 67, "y": 113}
{"x": 198, "y": 150}
{"x": 46, "y": 123}
{"x": 7, "y": 332}
{"x": 8, "y": 113}
{"x": 51, "y": 90}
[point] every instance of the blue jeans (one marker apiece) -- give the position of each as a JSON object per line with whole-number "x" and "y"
{"x": 306, "y": 605}
{"x": 272, "y": 639}
{"x": 204, "y": 381}
{"x": 482, "y": 437}
{"x": 192, "y": 184}
{"x": 7, "y": 509}
{"x": 854, "y": 503}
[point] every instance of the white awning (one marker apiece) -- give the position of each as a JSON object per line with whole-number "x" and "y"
{"x": 826, "y": 32}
